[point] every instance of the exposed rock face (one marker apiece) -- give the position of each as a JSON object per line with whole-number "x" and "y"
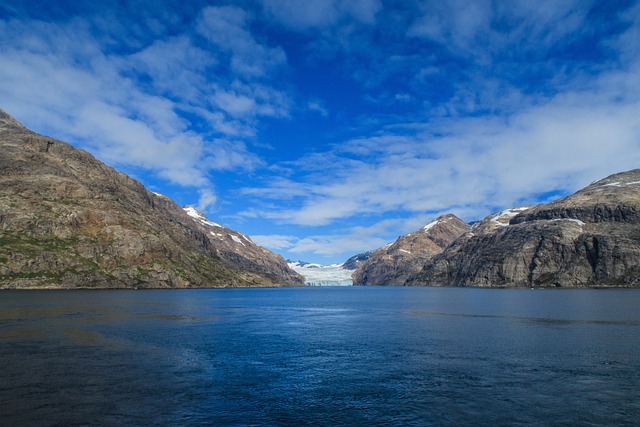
{"x": 355, "y": 261}
{"x": 239, "y": 250}
{"x": 591, "y": 238}
{"x": 392, "y": 265}
{"x": 68, "y": 220}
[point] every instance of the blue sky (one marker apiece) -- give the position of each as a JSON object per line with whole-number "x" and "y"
{"x": 323, "y": 129}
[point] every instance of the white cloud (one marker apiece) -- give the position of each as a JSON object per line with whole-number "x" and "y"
{"x": 474, "y": 165}
{"x": 276, "y": 242}
{"x": 481, "y": 27}
{"x": 626, "y": 44}
{"x": 402, "y": 97}
{"x": 207, "y": 200}
{"x": 177, "y": 67}
{"x": 506, "y": 116}
{"x": 547, "y": 21}
{"x": 241, "y": 100}
{"x": 119, "y": 140}
{"x": 321, "y": 13}
{"x": 224, "y": 154}
{"x": 233, "y": 103}
{"x": 318, "y": 107}
{"x": 64, "y": 79}
{"x": 323, "y": 245}
{"x": 456, "y": 22}
{"x": 227, "y": 28}
{"x": 525, "y": 146}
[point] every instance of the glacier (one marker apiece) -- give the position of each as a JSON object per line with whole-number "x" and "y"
{"x": 322, "y": 275}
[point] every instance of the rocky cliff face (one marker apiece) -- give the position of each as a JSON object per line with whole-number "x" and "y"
{"x": 394, "y": 264}
{"x": 67, "y": 220}
{"x": 238, "y": 249}
{"x": 355, "y": 261}
{"x": 591, "y": 238}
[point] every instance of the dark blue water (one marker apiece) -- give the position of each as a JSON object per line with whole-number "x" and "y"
{"x": 320, "y": 356}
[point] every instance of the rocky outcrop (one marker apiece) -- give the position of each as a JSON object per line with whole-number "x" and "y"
{"x": 68, "y": 220}
{"x": 590, "y": 238}
{"x": 355, "y": 261}
{"x": 392, "y": 265}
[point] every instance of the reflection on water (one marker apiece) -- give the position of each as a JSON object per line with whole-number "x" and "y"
{"x": 310, "y": 356}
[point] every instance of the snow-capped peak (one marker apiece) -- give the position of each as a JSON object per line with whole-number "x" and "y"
{"x": 193, "y": 213}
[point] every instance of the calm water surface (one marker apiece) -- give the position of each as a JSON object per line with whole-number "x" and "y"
{"x": 320, "y": 356}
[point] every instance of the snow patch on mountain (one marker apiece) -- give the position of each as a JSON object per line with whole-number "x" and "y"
{"x": 432, "y": 224}
{"x": 577, "y": 221}
{"x": 193, "y": 213}
{"x": 236, "y": 239}
{"x": 621, "y": 184}
{"x": 502, "y": 218}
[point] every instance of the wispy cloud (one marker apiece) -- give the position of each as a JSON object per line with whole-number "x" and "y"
{"x": 483, "y": 27}
{"x": 322, "y": 13}
{"x": 329, "y": 245}
{"x": 345, "y": 123}
{"x": 227, "y": 28}
{"x": 177, "y": 68}
{"x": 476, "y": 164}
{"x": 66, "y": 78}
{"x": 318, "y": 107}
{"x": 207, "y": 199}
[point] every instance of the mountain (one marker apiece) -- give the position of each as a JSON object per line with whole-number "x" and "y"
{"x": 355, "y": 261}
{"x": 590, "y": 238}
{"x": 67, "y": 220}
{"x": 322, "y": 275}
{"x": 238, "y": 249}
{"x": 393, "y": 264}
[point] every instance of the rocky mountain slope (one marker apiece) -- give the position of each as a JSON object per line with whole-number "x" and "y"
{"x": 68, "y": 220}
{"x": 590, "y": 238}
{"x": 355, "y": 261}
{"x": 392, "y": 265}
{"x": 238, "y": 249}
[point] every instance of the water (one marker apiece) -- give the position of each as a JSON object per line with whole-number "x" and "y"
{"x": 320, "y": 356}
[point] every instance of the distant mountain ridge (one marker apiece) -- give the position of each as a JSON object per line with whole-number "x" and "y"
{"x": 67, "y": 220}
{"x": 590, "y": 238}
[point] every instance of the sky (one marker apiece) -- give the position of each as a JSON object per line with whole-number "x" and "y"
{"x": 328, "y": 128}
